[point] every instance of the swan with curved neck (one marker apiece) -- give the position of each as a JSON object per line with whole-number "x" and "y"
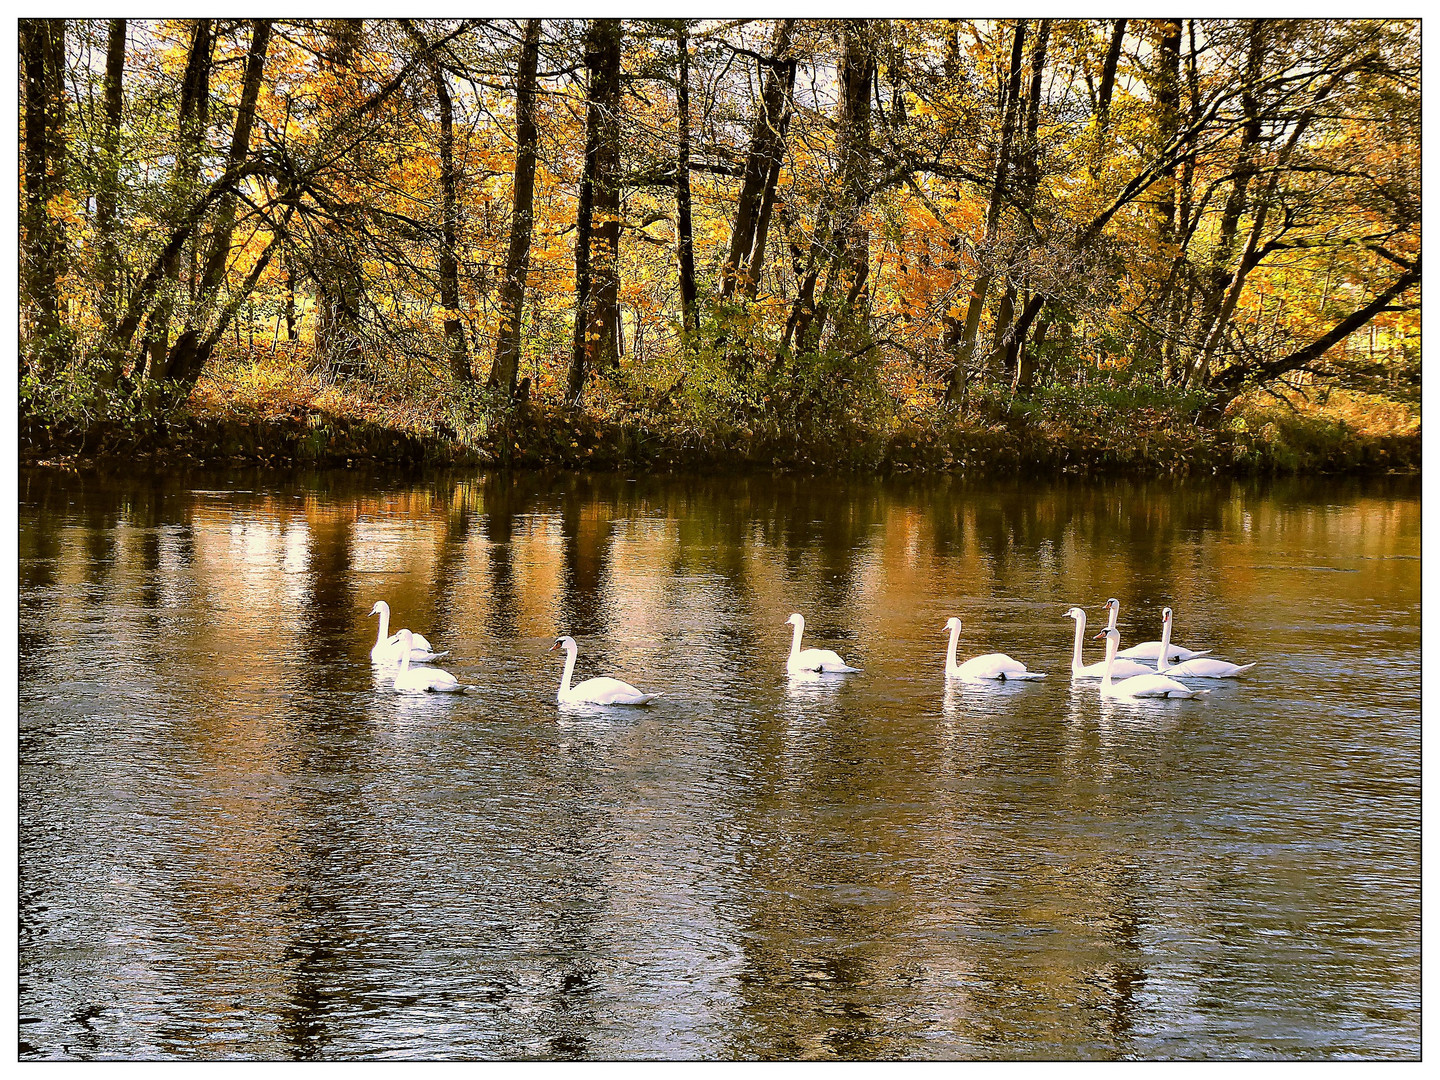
{"x": 1197, "y": 667}
{"x": 600, "y": 691}
{"x": 1124, "y": 669}
{"x": 988, "y": 666}
{"x": 387, "y": 645}
{"x": 422, "y": 679}
{"x": 1148, "y": 650}
{"x": 801, "y": 660}
{"x": 1152, "y": 685}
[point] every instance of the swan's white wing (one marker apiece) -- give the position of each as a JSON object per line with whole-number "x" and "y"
{"x": 1153, "y": 685}
{"x": 1206, "y": 668}
{"x": 607, "y": 691}
{"x": 995, "y": 666}
{"x": 818, "y": 660}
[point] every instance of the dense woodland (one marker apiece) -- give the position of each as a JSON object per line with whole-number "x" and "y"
{"x": 787, "y": 225}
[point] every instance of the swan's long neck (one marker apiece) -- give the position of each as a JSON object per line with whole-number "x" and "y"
{"x": 950, "y": 664}
{"x": 405, "y": 641}
{"x": 1112, "y": 646}
{"x": 1163, "y": 663}
{"x": 1114, "y": 616}
{"x": 1075, "y": 663}
{"x": 795, "y": 640}
{"x": 570, "y": 651}
{"x": 384, "y": 624}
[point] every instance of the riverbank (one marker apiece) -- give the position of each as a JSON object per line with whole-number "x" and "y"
{"x": 228, "y": 422}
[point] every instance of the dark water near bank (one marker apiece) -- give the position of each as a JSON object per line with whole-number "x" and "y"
{"x": 235, "y": 842}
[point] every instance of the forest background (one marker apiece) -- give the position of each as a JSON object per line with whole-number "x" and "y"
{"x": 1160, "y": 245}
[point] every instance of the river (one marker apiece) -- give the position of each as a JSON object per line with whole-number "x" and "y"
{"x": 236, "y": 841}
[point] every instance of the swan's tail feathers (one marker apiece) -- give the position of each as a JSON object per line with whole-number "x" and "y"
{"x": 1245, "y": 667}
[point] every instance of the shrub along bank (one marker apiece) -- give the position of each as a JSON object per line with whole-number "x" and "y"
{"x": 1081, "y": 431}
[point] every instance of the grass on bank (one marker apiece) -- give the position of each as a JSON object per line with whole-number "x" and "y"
{"x": 276, "y": 411}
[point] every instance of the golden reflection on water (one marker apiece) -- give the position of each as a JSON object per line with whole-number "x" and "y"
{"x": 296, "y": 861}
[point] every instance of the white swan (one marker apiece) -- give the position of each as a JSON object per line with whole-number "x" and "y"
{"x": 387, "y": 645}
{"x": 422, "y": 679}
{"x": 993, "y": 665}
{"x": 1153, "y": 685}
{"x": 811, "y": 659}
{"x": 1197, "y": 667}
{"x": 1124, "y": 669}
{"x": 1148, "y": 650}
{"x": 601, "y": 691}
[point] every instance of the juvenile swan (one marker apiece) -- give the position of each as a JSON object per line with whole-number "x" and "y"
{"x": 601, "y": 691}
{"x": 811, "y": 659}
{"x": 995, "y": 665}
{"x": 422, "y": 679}
{"x": 387, "y": 645}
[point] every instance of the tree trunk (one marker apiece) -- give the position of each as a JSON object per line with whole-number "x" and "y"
{"x": 107, "y": 191}
{"x": 992, "y": 221}
{"x": 602, "y": 307}
{"x": 1250, "y": 257}
{"x": 762, "y": 163}
{"x": 684, "y": 231}
{"x": 1246, "y": 165}
{"x": 450, "y": 227}
{"x": 449, "y": 267}
{"x": 194, "y": 111}
{"x": 1107, "y": 88}
{"x": 339, "y": 289}
{"x": 42, "y": 51}
{"x": 597, "y": 220}
{"x": 185, "y": 366}
{"x": 840, "y": 245}
{"x": 506, "y": 368}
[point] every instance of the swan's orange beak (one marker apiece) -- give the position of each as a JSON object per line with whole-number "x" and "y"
{"x": 552, "y": 648}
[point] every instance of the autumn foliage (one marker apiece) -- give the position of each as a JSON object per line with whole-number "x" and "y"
{"x": 786, "y": 229}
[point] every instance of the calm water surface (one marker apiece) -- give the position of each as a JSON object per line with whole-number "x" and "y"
{"x": 236, "y": 841}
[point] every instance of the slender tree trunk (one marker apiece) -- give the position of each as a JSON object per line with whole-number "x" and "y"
{"x": 107, "y": 191}
{"x": 1009, "y": 347}
{"x": 506, "y": 368}
{"x": 339, "y": 289}
{"x": 1107, "y": 88}
{"x": 597, "y": 344}
{"x": 1250, "y": 257}
{"x": 194, "y": 110}
{"x": 185, "y": 366}
{"x": 767, "y": 149}
{"x": 840, "y": 245}
{"x": 42, "y": 50}
{"x": 449, "y": 264}
{"x": 992, "y": 222}
{"x": 685, "y": 242}
{"x": 1165, "y": 87}
{"x": 449, "y": 233}
{"x": 1246, "y": 165}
